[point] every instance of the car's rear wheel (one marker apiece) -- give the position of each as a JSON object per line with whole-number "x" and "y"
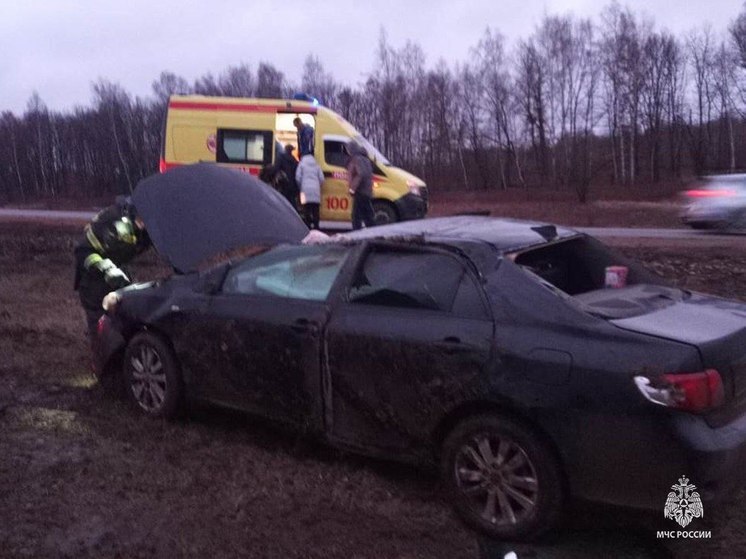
{"x": 503, "y": 479}
{"x": 152, "y": 375}
{"x": 384, "y": 212}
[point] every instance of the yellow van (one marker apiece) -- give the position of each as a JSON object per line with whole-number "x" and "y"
{"x": 247, "y": 134}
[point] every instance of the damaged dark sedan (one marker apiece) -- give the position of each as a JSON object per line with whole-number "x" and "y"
{"x": 529, "y": 362}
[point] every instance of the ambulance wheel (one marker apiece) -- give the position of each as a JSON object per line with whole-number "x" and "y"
{"x": 384, "y": 212}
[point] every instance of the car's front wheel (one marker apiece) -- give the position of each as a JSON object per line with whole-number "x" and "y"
{"x": 152, "y": 375}
{"x": 503, "y": 479}
{"x": 384, "y": 212}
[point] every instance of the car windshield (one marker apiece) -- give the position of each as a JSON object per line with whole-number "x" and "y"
{"x": 603, "y": 282}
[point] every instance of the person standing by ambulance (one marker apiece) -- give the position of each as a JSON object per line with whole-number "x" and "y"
{"x": 305, "y": 137}
{"x": 360, "y": 177}
{"x": 289, "y": 165}
{"x": 310, "y": 178}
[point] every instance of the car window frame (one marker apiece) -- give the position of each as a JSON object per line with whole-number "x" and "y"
{"x": 375, "y": 168}
{"x": 466, "y": 264}
{"x": 329, "y": 296}
{"x": 267, "y": 153}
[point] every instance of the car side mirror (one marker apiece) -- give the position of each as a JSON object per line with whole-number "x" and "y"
{"x": 211, "y": 280}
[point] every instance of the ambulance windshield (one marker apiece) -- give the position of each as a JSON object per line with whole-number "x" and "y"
{"x": 372, "y": 151}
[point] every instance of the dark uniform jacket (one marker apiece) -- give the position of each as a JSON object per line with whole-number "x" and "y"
{"x": 111, "y": 240}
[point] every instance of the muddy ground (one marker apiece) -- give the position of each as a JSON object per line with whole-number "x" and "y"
{"x": 84, "y": 475}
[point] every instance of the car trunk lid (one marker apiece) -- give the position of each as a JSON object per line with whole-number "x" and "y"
{"x": 717, "y": 327}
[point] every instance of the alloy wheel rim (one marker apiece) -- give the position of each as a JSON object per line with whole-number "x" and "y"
{"x": 148, "y": 378}
{"x": 497, "y": 479}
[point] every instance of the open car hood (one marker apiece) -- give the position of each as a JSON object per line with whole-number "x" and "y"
{"x": 197, "y": 211}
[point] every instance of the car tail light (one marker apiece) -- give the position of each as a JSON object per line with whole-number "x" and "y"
{"x": 694, "y": 392}
{"x": 162, "y": 167}
{"x": 715, "y": 193}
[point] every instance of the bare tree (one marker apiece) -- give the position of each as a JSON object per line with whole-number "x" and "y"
{"x": 317, "y": 82}
{"x": 40, "y": 150}
{"x": 724, "y": 76}
{"x": 169, "y": 84}
{"x": 207, "y": 85}
{"x": 702, "y": 59}
{"x": 11, "y": 162}
{"x": 571, "y": 104}
{"x": 530, "y": 88}
{"x": 675, "y": 72}
{"x": 621, "y": 55}
{"x": 113, "y": 104}
{"x": 270, "y": 81}
{"x": 655, "y": 75}
{"x": 499, "y": 101}
{"x": 471, "y": 100}
{"x": 237, "y": 81}
{"x": 737, "y": 31}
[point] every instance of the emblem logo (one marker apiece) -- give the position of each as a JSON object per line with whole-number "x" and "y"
{"x": 212, "y": 143}
{"x": 683, "y": 503}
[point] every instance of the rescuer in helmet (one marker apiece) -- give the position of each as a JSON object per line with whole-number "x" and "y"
{"x": 112, "y": 239}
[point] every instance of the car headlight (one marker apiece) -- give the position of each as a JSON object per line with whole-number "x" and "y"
{"x": 110, "y": 302}
{"x": 413, "y": 187}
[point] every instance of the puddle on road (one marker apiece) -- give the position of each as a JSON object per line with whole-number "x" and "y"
{"x": 49, "y": 419}
{"x": 84, "y": 380}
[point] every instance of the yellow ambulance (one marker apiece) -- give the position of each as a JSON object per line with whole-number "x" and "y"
{"x": 248, "y": 133}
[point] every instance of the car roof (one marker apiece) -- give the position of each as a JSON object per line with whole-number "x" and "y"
{"x": 504, "y": 234}
{"x": 737, "y": 179}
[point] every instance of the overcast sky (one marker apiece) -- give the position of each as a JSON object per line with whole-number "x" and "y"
{"x": 59, "y": 47}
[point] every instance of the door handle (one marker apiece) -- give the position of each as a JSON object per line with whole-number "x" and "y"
{"x": 305, "y": 326}
{"x": 451, "y": 345}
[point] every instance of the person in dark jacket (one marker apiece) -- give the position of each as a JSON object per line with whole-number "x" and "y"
{"x": 289, "y": 165}
{"x": 305, "y": 137}
{"x": 112, "y": 239}
{"x": 360, "y": 176}
{"x": 275, "y": 177}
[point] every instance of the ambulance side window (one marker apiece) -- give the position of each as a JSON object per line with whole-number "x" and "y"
{"x": 335, "y": 153}
{"x": 244, "y": 146}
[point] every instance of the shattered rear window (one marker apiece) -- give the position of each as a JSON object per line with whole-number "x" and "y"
{"x": 578, "y": 267}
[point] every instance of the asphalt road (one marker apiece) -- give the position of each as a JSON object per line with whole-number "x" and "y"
{"x": 616, "y": 232}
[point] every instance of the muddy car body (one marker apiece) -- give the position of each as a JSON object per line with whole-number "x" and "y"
{"x": 487, "y": 346}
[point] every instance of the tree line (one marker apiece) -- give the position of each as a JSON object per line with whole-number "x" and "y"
{"x": 577, "y": 104}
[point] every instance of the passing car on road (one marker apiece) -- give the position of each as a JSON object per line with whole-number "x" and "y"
{"x": 718, "y": 203}
{"x": 528, "y": 361}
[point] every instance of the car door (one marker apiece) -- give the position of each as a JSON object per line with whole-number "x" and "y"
{"x": 411, "y": 337}
{"x": 336, "y": 203}
{"x": 265, "y": 327}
